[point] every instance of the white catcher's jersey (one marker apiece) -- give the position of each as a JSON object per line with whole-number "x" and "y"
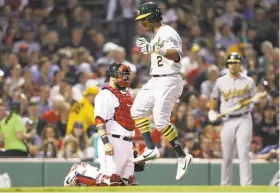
{"x": 232, "y": 91}
{"x": 168, "y": 38}
{"x": 105, "y": 103}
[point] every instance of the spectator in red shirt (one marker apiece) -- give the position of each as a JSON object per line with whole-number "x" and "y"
{"x": 55, "y": 115}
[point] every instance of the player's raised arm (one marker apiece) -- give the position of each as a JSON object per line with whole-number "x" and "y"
{"x": 168, "y": 48}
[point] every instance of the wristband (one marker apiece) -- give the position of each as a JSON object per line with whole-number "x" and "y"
{"x": 100, "y": 127}
{"x": 104, "y": 139}
{"x": 162, "y": 51}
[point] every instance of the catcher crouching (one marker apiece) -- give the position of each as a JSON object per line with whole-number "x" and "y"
{"x": 116, "y": 131}
{"x": 88, "y": 175}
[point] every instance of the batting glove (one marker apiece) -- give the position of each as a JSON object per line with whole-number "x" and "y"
{"x": 140, "y": 42}
{"x": 146, "y": 47}
{"x": 212, "y": 116}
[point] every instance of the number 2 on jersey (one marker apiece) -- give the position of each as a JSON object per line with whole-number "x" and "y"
{"x": 159, "y": 61}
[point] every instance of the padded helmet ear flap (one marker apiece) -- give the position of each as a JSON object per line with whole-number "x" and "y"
{"x": 112, "y": 71}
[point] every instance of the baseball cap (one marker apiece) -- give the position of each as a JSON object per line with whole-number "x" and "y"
{"x": 103, "y": 61}
{"x": 27, "y": 121}
{"x": 33, "y": 101}
{"x": 91, "y": 83}
{"x": 23, "y": 47}
{"x": 195, "y": 47}
{"x": 109, "y": 46}
{"x": 189, "y": 136}
{"x": 91, "y": 90}
{"x": 84, "y": 67}
{"x": 78, "y": 124}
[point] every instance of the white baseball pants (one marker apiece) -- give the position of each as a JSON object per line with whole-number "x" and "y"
{"x": 121, "y": 162}
{"x": 159, "y": 94}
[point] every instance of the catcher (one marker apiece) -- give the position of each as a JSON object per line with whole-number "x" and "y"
{"x": 116, "y": 130}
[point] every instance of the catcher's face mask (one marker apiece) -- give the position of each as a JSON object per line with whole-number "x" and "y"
{"x": 123, "y": 78}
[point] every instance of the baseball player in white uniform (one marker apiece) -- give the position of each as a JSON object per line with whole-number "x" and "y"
{"x": 163, "y": 89}
{"x": 115, "y": 125}
{"x": 116, "y": 130}
{"x": 232, "y": 89}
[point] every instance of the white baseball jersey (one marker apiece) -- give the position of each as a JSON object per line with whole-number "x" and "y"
{"x": 105, "y": 103}
{"x": 168, "y": 38}
{"x": 231, "y": 91}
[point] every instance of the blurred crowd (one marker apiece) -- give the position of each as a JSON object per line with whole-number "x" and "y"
{"x": 53, "y": 53}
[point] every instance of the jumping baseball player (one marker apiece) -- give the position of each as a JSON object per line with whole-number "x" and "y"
{"x": 233, "y": 89}
{"x": 163, "y": 89}
{"x": 115, "y": 126}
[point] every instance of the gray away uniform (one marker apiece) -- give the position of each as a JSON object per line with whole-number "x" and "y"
{"x": 237, "y": 127}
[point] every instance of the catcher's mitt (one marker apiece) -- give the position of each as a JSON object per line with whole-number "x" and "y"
{"x": 138, "y": 167}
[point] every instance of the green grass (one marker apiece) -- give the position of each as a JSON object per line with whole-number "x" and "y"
{"x": 148, "y": 189}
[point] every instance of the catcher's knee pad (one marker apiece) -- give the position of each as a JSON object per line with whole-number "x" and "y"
{"x": 113, "y": 180}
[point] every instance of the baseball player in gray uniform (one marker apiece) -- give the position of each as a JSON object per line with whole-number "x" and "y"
{"x": 233, "y": 89}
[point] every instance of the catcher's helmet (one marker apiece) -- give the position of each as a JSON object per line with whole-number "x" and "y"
{"x": 121, "y": 72}
{"x": 232, "y": 58}
{"x": 151, "y": 11}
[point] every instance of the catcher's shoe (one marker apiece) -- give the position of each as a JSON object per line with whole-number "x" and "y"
{"x": 131, "y": 181}
{"x": 183, "y": 165}
{"x": 148, "y": 154}
{"x": 113, "y": 180}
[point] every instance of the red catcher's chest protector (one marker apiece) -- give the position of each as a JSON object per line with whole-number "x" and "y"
{"x": 122, "y": 113}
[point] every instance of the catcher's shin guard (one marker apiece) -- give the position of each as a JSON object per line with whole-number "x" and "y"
{"x": 86, "y": 181}
{"x": 113, "y": 180}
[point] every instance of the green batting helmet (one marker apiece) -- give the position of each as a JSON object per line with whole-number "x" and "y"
{"x": 233, "y": 57}
{"x": 151, "y": 11}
